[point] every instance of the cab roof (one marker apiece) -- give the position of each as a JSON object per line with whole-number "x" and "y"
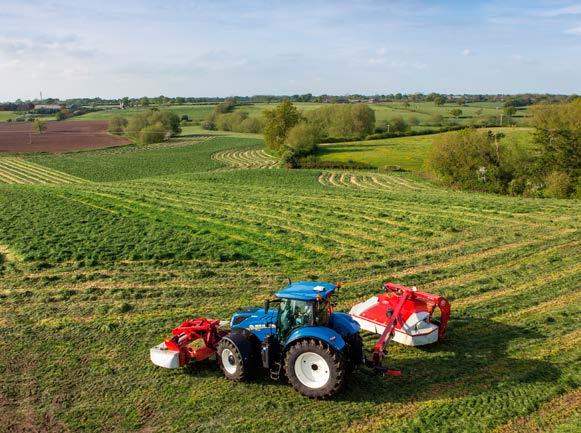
{"x": 306, "y": 290}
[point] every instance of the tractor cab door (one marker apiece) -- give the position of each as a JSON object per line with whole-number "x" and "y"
{"x": 292, "y": 314}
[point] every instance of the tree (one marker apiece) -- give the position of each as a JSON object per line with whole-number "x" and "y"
{"x": 117, "y": 125}
{"x": 278, "y": 122}
{"x": 558, "y": 134}
{"x": 510, "y": 111}
{"x": 152, "y": 133}
{"x": 39, "y": 126}
{"x": 398, "y": 124}
{"x": 144, "y": 102}
{"x": 455, "y": 112}
{"x": 439, "y": 100}
{"x": 475, "y": 160}
{"x": 302, "y": 139}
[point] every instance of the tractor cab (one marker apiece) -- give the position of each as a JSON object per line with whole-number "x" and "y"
{"x": 303, "y": 304}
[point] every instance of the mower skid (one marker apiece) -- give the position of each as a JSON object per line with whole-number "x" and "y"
{"x": 163, "y": 357}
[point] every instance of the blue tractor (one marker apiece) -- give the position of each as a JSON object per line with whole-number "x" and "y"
{"x": 297, "y": 335}
{"x": 302, "y": 338}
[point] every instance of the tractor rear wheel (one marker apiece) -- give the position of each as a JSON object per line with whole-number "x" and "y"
{"x": 314, "y": 369}
{"x": 235, "y": 357}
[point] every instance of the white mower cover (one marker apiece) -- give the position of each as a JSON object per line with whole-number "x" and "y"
{"x": 163, "y": 357}
{"x": 416, "y": 330}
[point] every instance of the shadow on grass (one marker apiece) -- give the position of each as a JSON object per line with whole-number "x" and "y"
{"x": 471, "y": 360}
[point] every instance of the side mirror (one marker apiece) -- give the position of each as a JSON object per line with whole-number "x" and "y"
{"x": 266, "y": 305}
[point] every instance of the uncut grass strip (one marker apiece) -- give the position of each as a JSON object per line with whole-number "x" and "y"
{"x": 468, "y": 300}
{"x": 566, "y": 299}
{"x": 253, "y": 212}
{"x": 349, "y": 216}
{"x": 462, "y": 209}
{"x": 570, "y": 341}
{"x": 326, "y": 215}
{"x": 548, "y": 416}
{"x": 251, "y": 218}
{"x": 50, "y": 172}
{"x": 562, "y": 284}
{"x": 184, "y": 219}
{"x": 310, "y": 218}
{"x": 476, "y": 243}
{"x": 434, "y": 210}
{"x": 456, "y": 286}
{"x": 479, "y": 257}
{"x": 413, "y": 209}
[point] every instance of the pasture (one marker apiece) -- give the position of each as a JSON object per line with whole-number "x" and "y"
{"x": 408, "y": 153}
{"x": 94, "y": 272}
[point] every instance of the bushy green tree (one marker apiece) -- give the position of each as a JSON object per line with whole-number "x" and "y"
{"x": 38, "y": 126}
{"x": 558, "y": 134}
{"x": 117, "y": 125}
{"x": 145, "y": 127}
{"x": 278, "y": 123}
{"x": 455, "y": 112}
{"x": 252, "y": 125}
{"x": 349, "y": 121}
{"x": 303, "y": 138}
{"x": 153, "y": 133}
{"x": 475, "y": 160}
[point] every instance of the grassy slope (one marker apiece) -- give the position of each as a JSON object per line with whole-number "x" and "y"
{"x": 98, "y": 273}
{"x": 407, "y": 152}
{"x": 130, "y": 162}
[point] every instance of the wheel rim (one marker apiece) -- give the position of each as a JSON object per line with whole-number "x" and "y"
{"x": 312, "y": 370}
{"x": 229, "y": 361}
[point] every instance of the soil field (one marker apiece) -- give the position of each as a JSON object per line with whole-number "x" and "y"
{"x": 58, "y": 137}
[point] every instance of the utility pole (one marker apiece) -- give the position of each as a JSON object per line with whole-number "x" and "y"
{"x": 41, "y": 96}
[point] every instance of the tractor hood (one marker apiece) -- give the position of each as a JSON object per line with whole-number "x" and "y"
{"x": 255, "y": 320}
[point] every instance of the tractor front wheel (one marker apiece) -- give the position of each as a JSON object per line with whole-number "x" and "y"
{"x": 314, "y": 369}
{"x": 235, "y": 357}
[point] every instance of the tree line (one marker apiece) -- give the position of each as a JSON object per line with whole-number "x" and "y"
{"x": 486, "y": 161}
{"x": 148, "y": 127}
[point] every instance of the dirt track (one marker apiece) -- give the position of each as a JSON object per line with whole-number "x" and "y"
{"x": 58, "y": 137}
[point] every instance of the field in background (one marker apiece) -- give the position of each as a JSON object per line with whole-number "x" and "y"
{"x": 92, "y": 274}
{"x": 408, "y": 153}
{"x": 57, "y": 137}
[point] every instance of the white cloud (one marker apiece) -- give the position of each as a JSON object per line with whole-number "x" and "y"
{"x": 568, "y": 10}
{"x": 466, "y": 51}
{"x": 573, "y": 31}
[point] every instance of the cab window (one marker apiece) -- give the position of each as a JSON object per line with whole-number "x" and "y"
{"x": 294, "y": 313}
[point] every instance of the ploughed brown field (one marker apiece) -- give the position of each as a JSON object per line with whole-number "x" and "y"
{"x": 58, "y": 137}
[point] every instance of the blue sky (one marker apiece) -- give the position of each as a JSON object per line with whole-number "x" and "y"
{"x": 220, "y": 48}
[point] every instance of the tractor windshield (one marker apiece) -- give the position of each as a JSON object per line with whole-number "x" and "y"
{"x": 322, "y": 313}
{"x": 293, "y": 314}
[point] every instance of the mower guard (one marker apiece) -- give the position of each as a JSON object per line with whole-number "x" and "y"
{"x": 413, "y": 310}
{"x": 162, "y": 357}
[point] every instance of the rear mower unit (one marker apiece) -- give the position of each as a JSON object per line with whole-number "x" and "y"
{"x": 300, "y": 337}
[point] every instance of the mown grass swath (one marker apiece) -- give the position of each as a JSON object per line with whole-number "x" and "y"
{"x": 97, "y": 272}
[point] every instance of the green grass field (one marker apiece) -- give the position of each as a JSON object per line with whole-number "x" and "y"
{"x": 103, "y": 252}
{"x": 409, "y": 153}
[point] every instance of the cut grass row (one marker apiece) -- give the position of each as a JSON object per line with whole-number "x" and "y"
{"x": 109, "y": 268}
